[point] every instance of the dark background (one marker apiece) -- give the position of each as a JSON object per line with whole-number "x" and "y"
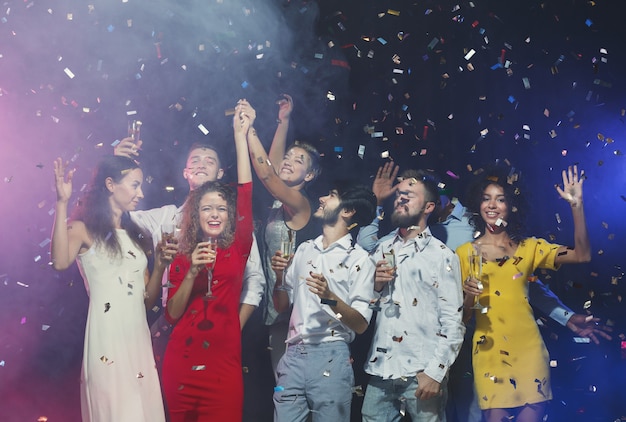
{"x": 176, "y": 65}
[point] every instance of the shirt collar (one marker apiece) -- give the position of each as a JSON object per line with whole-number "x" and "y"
{"x": 345, "y": 242}
{"x": 458, "y": 212}
{"x": 420, "y": 241}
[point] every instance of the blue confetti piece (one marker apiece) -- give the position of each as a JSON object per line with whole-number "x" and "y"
{"x": 338, "y": 149}
{"x": 279, "y": 388}
{"x": 244, "y": 84}
{"x": 511, "y": 99}
{"x": 496, "y": 66}
{"x": 110, "y": 28}
{"x": 588, "y": 22}
{"x": 381, "y": 40}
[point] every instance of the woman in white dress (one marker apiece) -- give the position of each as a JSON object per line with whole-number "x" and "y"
{"x": 119, "y": 381}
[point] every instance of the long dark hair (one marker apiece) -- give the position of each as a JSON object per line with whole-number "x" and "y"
{"x": 191, "y": 232}
{"x": 95, "y": 211}
{"x": 508, "y": 179}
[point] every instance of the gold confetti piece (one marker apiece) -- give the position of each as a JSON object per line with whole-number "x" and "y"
{"x": 104, "y": 359}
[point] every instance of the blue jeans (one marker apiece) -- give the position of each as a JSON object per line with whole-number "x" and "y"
{"x": 387, "y": 400}
{"x": 315, "y": 379}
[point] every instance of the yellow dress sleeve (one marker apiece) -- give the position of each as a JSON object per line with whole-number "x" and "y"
{"x": 542, "y": 253}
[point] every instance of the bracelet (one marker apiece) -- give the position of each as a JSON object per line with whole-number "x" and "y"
{"x": 328, "y": 302}
{"x": 281, "y": 288}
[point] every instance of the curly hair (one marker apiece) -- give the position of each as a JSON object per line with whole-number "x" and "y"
{"x": 508, "y": 179}
{"x": 191, "y": 231}
{"x": 94, "y": 209}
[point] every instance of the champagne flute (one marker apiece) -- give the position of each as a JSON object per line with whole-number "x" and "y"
{"x": 476, "y": 272}
{"x": 134, "y": 129}
{"x": 287, "y": 249}
{"x": 168, "y": 235}
{"x": 212, "y": 244}
{"x": 393, "y": 308}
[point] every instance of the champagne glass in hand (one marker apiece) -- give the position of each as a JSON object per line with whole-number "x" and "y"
{"x": 394, "y": 308}
{"x": 212, "y": 245}
{"x": 134, "y": 130}
{"x": 168, "y": 237}
{"x": 287, "y": 248}
{"x": 476, "y": 272}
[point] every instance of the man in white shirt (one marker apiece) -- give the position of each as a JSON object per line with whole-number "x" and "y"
{"x": 203, "y": 165}
{"x": 330, "y": 283}
{"x": 419, "y": 330}
{"x": 452, "y": 227}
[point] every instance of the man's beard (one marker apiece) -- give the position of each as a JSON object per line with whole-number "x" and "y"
{"x": 406, "y": 220}
{"x": 329, "y": 217}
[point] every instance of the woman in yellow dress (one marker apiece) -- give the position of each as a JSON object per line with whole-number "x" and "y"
{"x": 510, "y": 360}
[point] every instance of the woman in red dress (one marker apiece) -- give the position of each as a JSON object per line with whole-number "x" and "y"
{"x": 202, "y": 374}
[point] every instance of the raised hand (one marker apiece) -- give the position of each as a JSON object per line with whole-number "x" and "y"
{"x": 245, "y": 114}
{"x": 63, "y": 182}
{"x": 285, "y": 107}
{"x": 572, "y": 190}
{"x": 128, "y": 147}
{"x": 383, "y": 183}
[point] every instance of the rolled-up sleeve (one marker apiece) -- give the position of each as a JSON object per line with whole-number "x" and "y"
{"x": 253, "y": 277}
{"x": 362, "y": 287}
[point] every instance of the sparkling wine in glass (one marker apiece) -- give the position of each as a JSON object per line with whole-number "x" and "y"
{"x": 393, "y": 309}
{"x": 168, "y": 236}
{"x": 476, "y": 272}
{"x": 212, "y": 241}
{"x": 287, "y": 248}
